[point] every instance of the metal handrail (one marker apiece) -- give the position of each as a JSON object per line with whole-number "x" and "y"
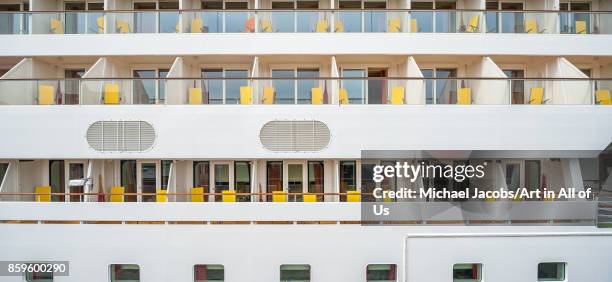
{"x": 306, "y": 10}
{"x": 312, "y": 78}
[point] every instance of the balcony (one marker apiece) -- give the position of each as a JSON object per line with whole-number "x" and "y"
{"x": 306, "y": 21}
{"x": 311, "y": 90}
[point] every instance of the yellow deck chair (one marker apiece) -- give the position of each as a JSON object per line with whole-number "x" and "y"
{"x": 414, "y": 26}
{"x": 397, "y": 95}
{"x": 268, "y": 95}
{"x": 56, "y": 26}
{"x": 123, "y": 26}
{"x": 197, "y": 194}
{"x": 473, "y": 24}
{"x": 322, "y": 26}
{"x": 531, "y": 26}
{"x": 246, "y": 95}
{"x": 353, "y": 196}
{"x": 602, "y": 97}
{"x": 338, "y": 26}
{"x": 581, "y": 27}
{"x": 161, "y": 196}
{"x": 395, "y": 25}
{"x": 43, "y": 193}
{"x": 310, "y": 198}
{"x": 343, "y": 99}
{"x": 228, "y": 196}
{"x": 464, "y": 96}
{"x": 196, "y": 25}
{"x": 117, "y": 194}
{"x": 536, "y": 96}
{"x": 279, "y": 196}
{"x": 100, "y": 23}
{"x": 45, "y": 95}
{"x": 111, "y": 94}
{"x": 316, "y": 96}
{"x": 195, "y": 96}
{"x": 266, "y": 25}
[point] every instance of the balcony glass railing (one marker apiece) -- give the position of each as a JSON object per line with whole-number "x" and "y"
{"x": 307, "y": 90}
{"x": 321, "y": 20}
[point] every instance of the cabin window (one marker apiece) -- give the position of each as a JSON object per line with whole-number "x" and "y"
{"x": 551, "y": 271}
{"x": 242, "y": 180}
{"x": 124, "y": 272}
{"x": 208, "y": 272}
{"x": 274, "y": 178}
{"x": 294, "y": 272}
{"x": 467, "y": 272}
{"x": 316, "y": 179}
{"x": 381, "y": 272}
{"x": 348, "y": 178}
{"x": 39, "y": 276}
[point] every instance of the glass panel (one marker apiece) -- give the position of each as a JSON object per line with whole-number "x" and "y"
{"x": 212, "y": 88}
{"x": 144, "y": 89}
{"x": 57, "y": 179}
{"x": 232, "y": 86}
{"x": 282, "y": 20}
{"x": 145, "y": 22}
{"x": 551, "y": 271}
{"x": 295, "y": 273}
{"x": 149, "y": 181}
{"x": 74, "y": 21}
{"x": 466, "y": 272}
{"x": 518, "y": 86}
{"x": 307, "y": 20}
{"x": 295, "y": 181}
{"x": 72, "y": 87}
{"x": 128, "y": 179}
{"x": 235, "y": 21}
{"x": 201, "y": 176}
{"x": 389, "y": 183}
{"x": 377, "y": 88}
{"x": 355, "y": 89}
{"x": 316, "y": 179}
{"x": 513, "y": 176}
{"x": 124, "y": 272}
{"x": 532, "y": 175}
{"x": 446, "y": 21}
{"x": 381, "y": 272}
{"x": 428, "y": 86}
{"x": 492, "y": 16}
{"x": 285, "y": 88}
{"x": 208, "y": 272}
{"x": 95, "y": 18}
{"x": 274, "y": 178}
{"x": 163, "y": 73}
{"x": 367, "y": 182}
{"x": 165, "y": 173}
{"x": 168, "y": 20}
{"x": 76, "y": 172}
{"x": 221, "y": 179}
{"x": 10, "y": 23}
{"x": 3, "y": 170}
{"x": 375, "y": 21}
{"x": 446, "y": 89}
{"x": 212, "y": 20}
{"x": 348, "y": 178}
{"x": 242, "y": 179}
{"x": 304, "y": 86}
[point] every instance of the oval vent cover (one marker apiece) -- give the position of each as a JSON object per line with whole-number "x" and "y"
{"x": 294, "y": 135}
{"x": 121, "y": 136}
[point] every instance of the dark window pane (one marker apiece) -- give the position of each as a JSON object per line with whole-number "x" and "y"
{"x": 57, "y": 179}
{"x": 124, "y": 272}
{"x": 208, "y": 272}
{"x": 242, "y": 180}
{"x": 201, "y": 176}
{"x": 294, "y": 272}
{"x": 274, "y": 178}
{"x": 128, "y": 179}
{"x": 212, "y": 88}
{"x": 316, "y": 179}
{"x": 348, "y": 178}
{"x": 381, "y": 272}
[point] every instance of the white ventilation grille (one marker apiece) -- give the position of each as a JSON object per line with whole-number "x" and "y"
{"x": 294, "y": 136}
{"x": 121, "y": 136}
